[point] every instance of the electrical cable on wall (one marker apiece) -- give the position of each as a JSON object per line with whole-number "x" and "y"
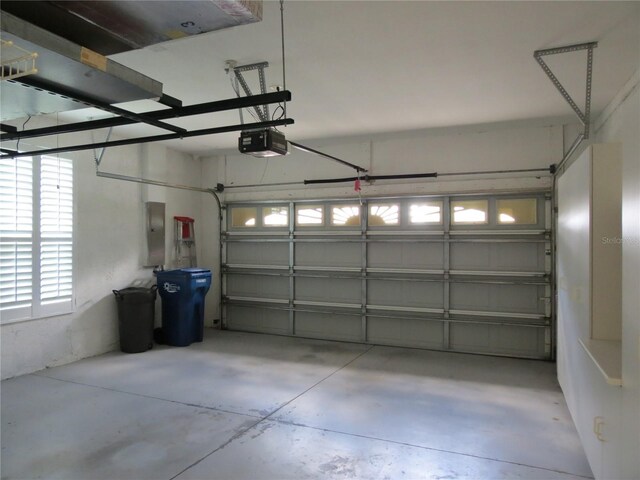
{"x": 23, "y": 125}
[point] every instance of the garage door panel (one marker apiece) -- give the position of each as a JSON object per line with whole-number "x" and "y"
{"x": 258, "y": 253}
{"x": 501, "y": 339}
{"x": 405, "y": 293}
{"x": 329, "y": 326}
{"x": 410, "y": 332}
{"x": 337, "y": 290}
{"x": 256, "y": 319}
{"x": 464, "y": 272}
{"x": 342, "y": 254}
{"x": 497, "y": 298}
{"x": 501, "y": 257}
{"x": 262, "y": 286}
{"x": 428, "y": 256}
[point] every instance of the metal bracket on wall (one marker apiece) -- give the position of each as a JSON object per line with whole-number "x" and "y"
{"x": 584, "y": 117}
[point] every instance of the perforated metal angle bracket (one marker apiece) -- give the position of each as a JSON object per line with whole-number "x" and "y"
{"x": 585, "y": 117}
{"x": 263, "y": 113}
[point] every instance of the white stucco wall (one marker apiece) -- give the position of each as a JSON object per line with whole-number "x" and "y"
{"x": 109, "y": 249}
{"x": 621, "y": 123}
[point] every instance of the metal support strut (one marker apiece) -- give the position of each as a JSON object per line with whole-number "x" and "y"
{"x": 584, "y": 117}
{"x": 263, "y": 113}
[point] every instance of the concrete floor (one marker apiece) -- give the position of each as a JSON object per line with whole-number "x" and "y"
{"x": 265, "y": 407}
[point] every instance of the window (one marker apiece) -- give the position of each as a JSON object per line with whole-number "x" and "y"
{"x": 517, "y": 211}
{"x": 384, "y": 214}
{"x": 307, "y": 215}
{"x": 243, "y": 216}
{"x": 345, "y": 215}
{"x": 275, "y": 216}
{"x": 425, "y": 212}
{"x": 36, "y": 230}
{"x": 469, "y": 211}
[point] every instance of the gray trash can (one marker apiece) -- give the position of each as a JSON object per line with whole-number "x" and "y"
{"x": 136, "y": 313}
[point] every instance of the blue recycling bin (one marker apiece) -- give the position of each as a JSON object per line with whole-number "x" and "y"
{"x": 182, "y": 292}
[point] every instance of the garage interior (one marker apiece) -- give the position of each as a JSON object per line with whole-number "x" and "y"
{"x": 422, "y": 222}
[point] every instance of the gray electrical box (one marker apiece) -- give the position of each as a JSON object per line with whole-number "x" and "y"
{"x": 155, "y": 234}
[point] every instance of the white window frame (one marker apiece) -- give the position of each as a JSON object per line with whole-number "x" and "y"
{"x": 39, "y": 309}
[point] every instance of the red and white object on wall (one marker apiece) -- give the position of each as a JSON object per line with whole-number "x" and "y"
{"x": 185, "y": 242}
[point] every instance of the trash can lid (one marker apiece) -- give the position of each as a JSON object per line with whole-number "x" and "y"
{"x": 179, "y": 271}
{"x": 182, "y": 274}
{"x": 132, "y": 290}
{"x": 136, "y": 292}
{"x": 195, "y": 270}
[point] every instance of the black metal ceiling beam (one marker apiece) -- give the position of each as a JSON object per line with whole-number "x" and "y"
{"x": 198, "y": 109}
{"x": 8, "y": 128}
{"x": 139, "y": 118}
{"x": 170, "y": 101}
{"x": 153, "y": 138}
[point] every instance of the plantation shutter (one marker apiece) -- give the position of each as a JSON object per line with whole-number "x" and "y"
{"x": 16, "y": 232}
{"x": 56, "y": 230}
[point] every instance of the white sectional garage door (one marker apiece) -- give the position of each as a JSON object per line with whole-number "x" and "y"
{"x": 458, "y": 273}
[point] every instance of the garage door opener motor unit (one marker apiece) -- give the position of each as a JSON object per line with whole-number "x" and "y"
{"x": 263, "y": 143}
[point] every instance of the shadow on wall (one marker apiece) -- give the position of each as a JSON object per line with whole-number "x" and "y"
{"x": 36, "y": 344}
{"x": 94, "y": 330}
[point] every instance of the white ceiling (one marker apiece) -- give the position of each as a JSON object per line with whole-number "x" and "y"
{"x": 361, "y": 67}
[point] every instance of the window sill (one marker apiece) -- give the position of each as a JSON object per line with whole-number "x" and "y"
{"x": 607, "y": 355}
{"x": 18, "y": 315}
